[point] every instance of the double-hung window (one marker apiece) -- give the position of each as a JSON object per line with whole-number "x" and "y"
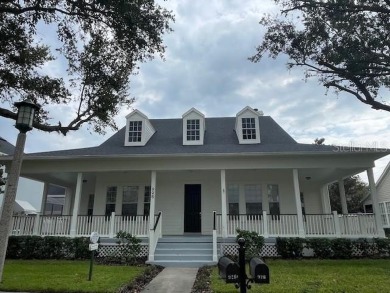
{"x": 135, "y": 131}
{"x": 130, "y": 201}
{"x": 147, "y": 201}
{"x": 248, "y": 128}
{"x": 110, "y": 199}
{"x": 193, "y": 129}
{"x": 253, "y": 199}
{"x": 233, "y": 199}
{"x": 273, "y": 199}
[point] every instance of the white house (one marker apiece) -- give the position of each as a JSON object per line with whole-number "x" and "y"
{"x": 28, "y": 190}
{"x": 201, "y": 177}
{"x": 383, "y": 190}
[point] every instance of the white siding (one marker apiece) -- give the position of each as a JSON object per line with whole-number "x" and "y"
{"x": 383, "y": 188}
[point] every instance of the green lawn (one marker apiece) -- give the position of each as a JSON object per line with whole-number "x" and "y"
{"x": 319, "y": 276}
{"x": 64, "y": 276}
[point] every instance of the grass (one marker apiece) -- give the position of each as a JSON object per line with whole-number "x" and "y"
{"x": 309, "y": 276}
{"x": 65, "y": 276}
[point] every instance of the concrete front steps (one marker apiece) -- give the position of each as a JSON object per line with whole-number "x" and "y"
{"x": 184, "y": 251}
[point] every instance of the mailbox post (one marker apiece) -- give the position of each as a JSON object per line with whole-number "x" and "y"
{"x": 232, "y": 272}
{"x": 241, "y": 263}
{"x": 94, "y": 238}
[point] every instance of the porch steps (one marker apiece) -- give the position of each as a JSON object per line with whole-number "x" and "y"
{"x": 184, "y": 251}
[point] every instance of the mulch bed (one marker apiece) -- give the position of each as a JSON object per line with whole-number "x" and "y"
{"x": 202, "y": 281}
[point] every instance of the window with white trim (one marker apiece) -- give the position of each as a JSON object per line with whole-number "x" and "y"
{"x": 110, "y": 199}
{"x": 253, "y": 199}
{"x": 233, "y": 195}
{"x": 91, "y": 199}
{"x": 193, "y": 129}
{"x": 135, "y": 131}
{"x": 248, "y": 128}
{"x": 147, "y": 201}
{"x": 273, "y": 199}
{"x": 129, "y": 200}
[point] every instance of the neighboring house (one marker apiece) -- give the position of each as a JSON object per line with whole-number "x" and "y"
{"x": 204, "y": 176}
{"x": 383, "y": 190}
{"x": 28, "y": 190}
{"x": 23, "y": 207}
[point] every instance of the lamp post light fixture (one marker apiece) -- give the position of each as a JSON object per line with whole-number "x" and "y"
{"x": 24, "y": 122}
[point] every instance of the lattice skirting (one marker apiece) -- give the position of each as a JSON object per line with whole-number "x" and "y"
{"x": 269, "y": 250}
{"x": 113, "y": 250}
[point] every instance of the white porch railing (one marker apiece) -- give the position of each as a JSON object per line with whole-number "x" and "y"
{"x": 109, "y": 226}
{"x": 54, "y": 225}
{"x": 106, "y": 226}
{"x": 315, "y": 225}
{"x": 23, "y": 225}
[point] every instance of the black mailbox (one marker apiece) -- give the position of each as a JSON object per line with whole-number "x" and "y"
{"x": 259, "y": 270}
{"x": 228, "y": 270}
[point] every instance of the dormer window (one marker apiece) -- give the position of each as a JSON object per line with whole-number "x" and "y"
{"x": 193, "y": 130}
{"x": 138, "y": 129}
{"x": 193, "y": 127}
{"x": 135, "y": 131}
{"x": 247, "y": 126}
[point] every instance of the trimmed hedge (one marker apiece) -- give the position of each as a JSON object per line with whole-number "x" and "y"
{"x": 49, "y": 247}
{"x": 333, "y": 248}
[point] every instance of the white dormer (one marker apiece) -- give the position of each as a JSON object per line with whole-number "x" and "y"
{"x": 193, "y": 127}
{"x": 247, "y": 126}
{"x": 138, "y": 129}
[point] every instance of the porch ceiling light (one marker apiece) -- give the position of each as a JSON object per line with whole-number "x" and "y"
{"x": 26, "y": 111}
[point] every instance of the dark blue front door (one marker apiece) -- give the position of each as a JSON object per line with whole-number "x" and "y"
{"x": 192, "y": 208}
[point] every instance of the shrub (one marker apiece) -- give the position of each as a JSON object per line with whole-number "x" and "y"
{"x": 342, "y": 248}
{"x": 253, "y": 243}
{"x": 290, "y": 247}
{"x": 382, "y": 246}
{"x": 363, "y": 245}
{"x": 321, "y": 247}
{"x": 49, "y": 247}
{"x": 129, "y": 247}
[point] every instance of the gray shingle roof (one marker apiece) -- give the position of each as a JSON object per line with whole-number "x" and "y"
{"x": 220, "y": 138}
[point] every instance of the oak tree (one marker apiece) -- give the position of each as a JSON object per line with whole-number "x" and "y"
{"x": 343, "y": 43}
{"x": 100, "y": 42}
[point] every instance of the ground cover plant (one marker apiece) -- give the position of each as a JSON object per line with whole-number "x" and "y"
{"x": 310, "y": 275}
{"x": 68, "y": 276}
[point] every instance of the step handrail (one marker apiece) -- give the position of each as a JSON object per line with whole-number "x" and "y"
{"x": 154, "y": 235}
{"x": 157, "y": 220}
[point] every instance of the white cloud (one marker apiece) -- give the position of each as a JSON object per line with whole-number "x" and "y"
{"x": 207, "y": 67}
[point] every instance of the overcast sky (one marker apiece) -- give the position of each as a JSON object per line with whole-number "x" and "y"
{"x": 206, "y": 66}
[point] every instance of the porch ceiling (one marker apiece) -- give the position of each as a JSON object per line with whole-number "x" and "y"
{"x": 317, "y": 175}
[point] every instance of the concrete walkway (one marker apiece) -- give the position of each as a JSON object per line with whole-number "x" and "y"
{"x": 172, "y": 280}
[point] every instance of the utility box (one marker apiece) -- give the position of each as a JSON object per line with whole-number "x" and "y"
{"x": 259, "y": 270}
{"x": 228, "y": 270}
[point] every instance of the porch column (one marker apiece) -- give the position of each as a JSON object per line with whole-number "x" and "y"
{"x": 152, "y": 209}
{"x": 325, "y": 199}
{"x": 76, "y": 205}
{"x": 44, "y": 197}
{"x": 68, "y": 201}
{"x": 375, "y": 205}
{"x": 297, "y": 193}
{"x": 223, "y": 202}
{"x": 343, "y": 199}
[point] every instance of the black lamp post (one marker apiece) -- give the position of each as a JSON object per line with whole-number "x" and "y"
{"x": 24, "y": 121}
